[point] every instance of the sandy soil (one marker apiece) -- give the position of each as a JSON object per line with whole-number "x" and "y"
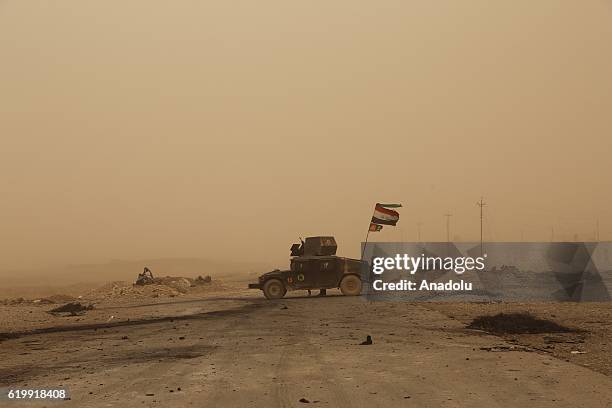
{"x": 590, "y": 346}
{"x": 233, "y": 348}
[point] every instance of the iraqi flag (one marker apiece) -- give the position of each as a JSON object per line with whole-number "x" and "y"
{"x": 384, "y": 215}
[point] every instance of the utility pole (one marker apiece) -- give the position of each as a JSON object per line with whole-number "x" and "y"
{"x": 552, "y": 234}
{"x": 481, "y": 204}
{"x": 448, "y": 215}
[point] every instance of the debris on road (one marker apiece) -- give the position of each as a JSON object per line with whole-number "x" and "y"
{"x": 304, "y": 401}
{"x": 506, "y": 348}
{"x": 367, "y": 341}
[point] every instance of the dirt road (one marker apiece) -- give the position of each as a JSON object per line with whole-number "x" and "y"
{"x": 251, "y": 352}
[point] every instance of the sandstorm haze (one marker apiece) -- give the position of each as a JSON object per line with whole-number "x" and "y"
{"x": 224, "y": 130}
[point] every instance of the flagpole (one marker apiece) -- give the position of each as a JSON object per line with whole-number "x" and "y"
{"x": 366, "y": 242}
{"x": 367, "y": 235}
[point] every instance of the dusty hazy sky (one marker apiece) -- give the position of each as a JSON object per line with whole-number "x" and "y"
{"x": 139, "y": 129}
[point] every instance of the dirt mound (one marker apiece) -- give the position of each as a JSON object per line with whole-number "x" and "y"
{"x": 41, "y": 301}
{"x": 181, "y": 285}
{"x": 167, "y": 286}
{"x": 71, "y": 309}
{"x": 114, "y": 285}
{"x": 155, "y": 290}
{"x": 121, "y": 289}
{"x": 58, "y": 299}
{"x": 15, "y": 301}
{"x": 516, "y": 323}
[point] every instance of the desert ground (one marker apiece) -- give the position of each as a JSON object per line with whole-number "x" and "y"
{"x": 221, "y": 345}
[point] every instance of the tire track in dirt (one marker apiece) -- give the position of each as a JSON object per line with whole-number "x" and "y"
{"x": 288, "y": 363}
{"x": 248, "y": 308}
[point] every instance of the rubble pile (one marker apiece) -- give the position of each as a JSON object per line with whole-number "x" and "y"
{"x": 149, "y": 286}
{"x": 145, "y": 286}
{"x": 179, "y": 283}
{"x": 202, "y": 280}
{"x": 121, "y": 289}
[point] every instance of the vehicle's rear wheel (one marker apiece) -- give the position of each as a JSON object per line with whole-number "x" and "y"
{"x": 274, "y": 289}
{"x": 350, "y": 285}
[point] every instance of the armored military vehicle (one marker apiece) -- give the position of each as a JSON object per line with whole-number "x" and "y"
{"x": 313, "y": 265}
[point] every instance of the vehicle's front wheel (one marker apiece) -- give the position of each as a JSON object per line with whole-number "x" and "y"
{"x": 274, "y": 289}
{"x": 350, "y": 285}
